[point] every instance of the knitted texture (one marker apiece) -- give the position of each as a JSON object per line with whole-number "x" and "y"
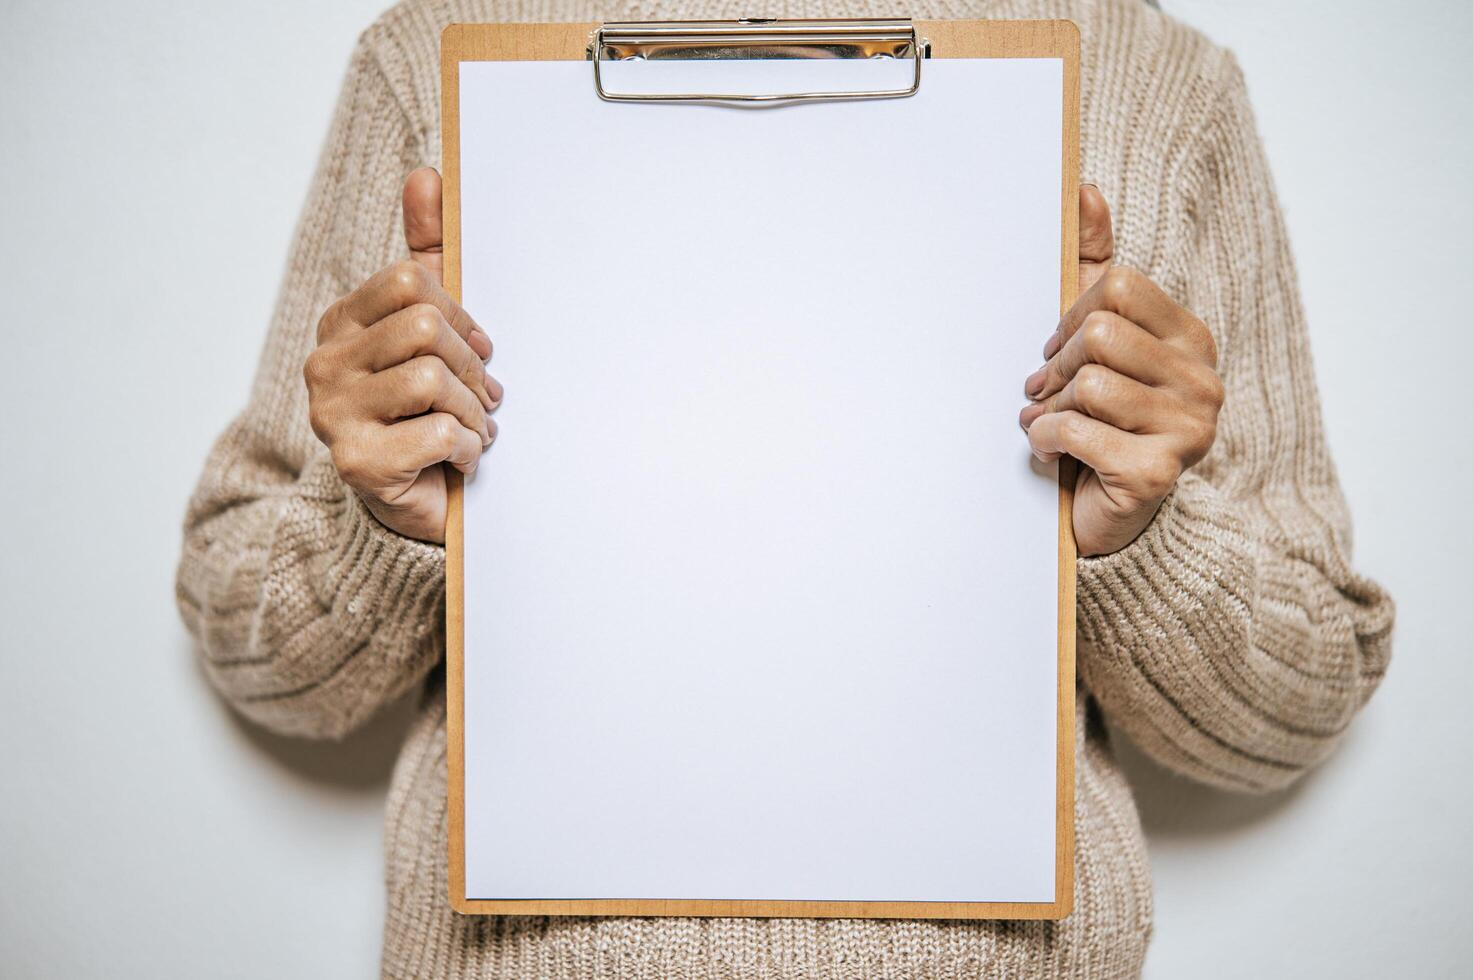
{"x": 1232, "y": 640}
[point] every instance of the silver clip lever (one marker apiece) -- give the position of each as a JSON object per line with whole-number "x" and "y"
{"x": 756, "y": 38}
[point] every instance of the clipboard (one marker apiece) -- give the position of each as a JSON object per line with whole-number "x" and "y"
{"x": 916, "y": 45}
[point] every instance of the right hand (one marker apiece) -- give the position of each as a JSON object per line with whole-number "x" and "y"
{"x": 398, "y": 385}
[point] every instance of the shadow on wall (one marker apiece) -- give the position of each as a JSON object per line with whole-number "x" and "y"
{"x": 1172, "y": 806}
{"x": 362, "y": 762}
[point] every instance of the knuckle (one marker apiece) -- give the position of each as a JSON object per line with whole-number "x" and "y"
{"x": 1211, "y": 346}
{"x": 408, "y": 278}
{"x": 1100, "y": 333}
{"x": 441, "y": 432}
{"x": 1203, "y": 388}
{"x": 1119, "y": 283}
{"x": 1072, "y": 430}
{"x": 1207, "y": 437}
{"x": 1215, "y": 391}
{"x": 316, "y": 369}
{"x": 1202, "y": 434}
{"x": 328, "y": 319}
{"x": 426, "y": 375}
{"x": 423, "y": 324}
{"x": 320, "y": 419}
{"x": 1093, "y": 386}
{"x": 1206, "y": 341}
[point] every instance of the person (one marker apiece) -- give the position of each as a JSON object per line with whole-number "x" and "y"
{"x": 1221, "y": 625}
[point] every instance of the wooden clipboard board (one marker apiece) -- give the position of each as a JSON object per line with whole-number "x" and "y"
{"x": 1056, "y": 39}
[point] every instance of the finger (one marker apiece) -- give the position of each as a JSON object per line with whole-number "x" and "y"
{"x": 423, "y": 223}
{"x": 423, "y": 384}
{"x": 1075, "y": 434}
{"x": 1096, "y": 231}
{"x": 430, "y": 439}
{"x": 1133, "y": 295}
{"x": 416, "y": 331}
{"x": 400, "y": 286}
{"x": 1096, "y": 249}
{"x": 1140, "y": 466}
{"x": 1114, "y": 342}
{"x": 1111, "y": 397}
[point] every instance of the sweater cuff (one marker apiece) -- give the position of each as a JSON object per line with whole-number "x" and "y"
{"x": 1164, "y": 626}
{"x": 377, "y": 581}
{"x": 1193, "y": 560}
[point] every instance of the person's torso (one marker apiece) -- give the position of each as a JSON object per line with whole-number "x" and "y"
{"x": 1140, "y": 79}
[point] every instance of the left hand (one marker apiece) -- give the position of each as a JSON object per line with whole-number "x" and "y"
{"x": 1130, "y": 389}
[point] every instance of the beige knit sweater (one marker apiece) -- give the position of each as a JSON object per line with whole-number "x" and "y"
{"x": 1233, "y": 642}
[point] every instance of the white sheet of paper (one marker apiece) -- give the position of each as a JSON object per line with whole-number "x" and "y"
{"x": 760, "y": 582}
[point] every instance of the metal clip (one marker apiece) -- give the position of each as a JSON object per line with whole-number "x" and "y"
{"x": 757, "y": 38}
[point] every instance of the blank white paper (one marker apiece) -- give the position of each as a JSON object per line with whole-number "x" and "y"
{"x": 760, "y": 585}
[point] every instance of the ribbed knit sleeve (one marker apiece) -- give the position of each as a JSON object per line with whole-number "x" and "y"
{"x": 309, "y": 614}
{"x": 1233, "y": 641}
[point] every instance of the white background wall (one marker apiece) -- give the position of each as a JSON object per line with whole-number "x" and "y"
{"x": 153, "y": 163}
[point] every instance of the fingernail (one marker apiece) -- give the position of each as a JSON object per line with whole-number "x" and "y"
{"x": 1028, "y": 415}
{"x": 491, "y": 431}
{"x": 1033, "y": 387}
{"x": 1051, "y": 346}
{"x": 494, "y": 389}
{"x": 480, "y": 343}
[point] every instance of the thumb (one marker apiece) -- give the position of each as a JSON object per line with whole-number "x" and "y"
{"x": 424, "y": 231}
{"x": 1096, "y": 236}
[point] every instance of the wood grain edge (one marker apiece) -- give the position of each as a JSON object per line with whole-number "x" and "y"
{"x": 949, "y": 39}
{"x": 1064, "y": 37}
{"x": 453, "y": 51}
{"x": 762, "y": 909}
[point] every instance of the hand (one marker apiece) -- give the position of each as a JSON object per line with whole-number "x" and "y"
{"x": 398, "y": 384}
{"x": 1130, "y": 389}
